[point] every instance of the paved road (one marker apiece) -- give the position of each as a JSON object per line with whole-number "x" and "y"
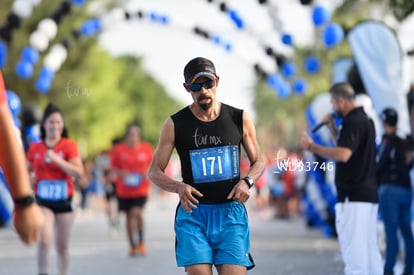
{"x": 278, "y": 247}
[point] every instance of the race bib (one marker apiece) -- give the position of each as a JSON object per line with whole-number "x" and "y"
{"x": 133, "y": 179}
{"x": 52, "y": 190}
{"x": 215, "y": 164}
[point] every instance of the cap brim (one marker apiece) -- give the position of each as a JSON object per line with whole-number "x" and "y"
{"x": 203, "y": 74}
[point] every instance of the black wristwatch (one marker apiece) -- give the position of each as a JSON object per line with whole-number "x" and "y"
{"x": 249, "y": 181}
{"x": 25, "y": 201}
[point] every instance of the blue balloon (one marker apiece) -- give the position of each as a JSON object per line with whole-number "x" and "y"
{"x": 164, "y": 19}
{"x": 274, "y": 80}
{"x": 320, "y": 15}
{"x": 14, "y": 102}
{"x": 299, "y": 86}
{"x": 217, "y": 39}
{"x": 327, "y": 230}
{"x": 234, "y": 16}
{"x": 90, "y": 27}
{"x": 3, "y": 54}
{"x": 228, "y": 47}
{"x": 17, "y": 122}
{"x": 284, "y": 90}
{"x": 332, "y": 35}
{"x": 24, "y": 69}
{"x": 78, "y": 2}
{"x": 312, "y": 65}
{"x": 280, "y": 86}
{"x": 153, "y": 16}
{"x": 87, "y": 29}
{"x": 287, "y": 39}
{"x": 331, "y": 199}
{"x": 288, "y": 69}
{"x": 43, "y": 84}
{"x": 46, "y": 73}
{"x": 97, "y": 24}
{"x": 30, "y": 55}
{"x": 32, "y": 133}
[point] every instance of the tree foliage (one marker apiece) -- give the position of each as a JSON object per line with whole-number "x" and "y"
{"x": 401, "y": 9}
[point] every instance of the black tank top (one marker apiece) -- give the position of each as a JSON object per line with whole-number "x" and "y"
{"x": 210, "y": 151}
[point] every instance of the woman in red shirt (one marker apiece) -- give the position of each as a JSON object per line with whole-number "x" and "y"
{"x": 54, "y": 161}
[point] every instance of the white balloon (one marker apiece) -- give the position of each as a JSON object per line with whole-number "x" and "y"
{"x": 107, "y": 21}
{"x": 49, "y": 27}
{"x": 39, "y": 40}
{"x": 22, "y": 8}
{"x": 319, "y": 108}
{"x": 366, "y": 102}
{"x": 118, "y": 14}
{"x": 52, "y": 62}
{"x": 36, "y": 2}
{"x": 59, "y": 52}
{"x": 96, "y": 8}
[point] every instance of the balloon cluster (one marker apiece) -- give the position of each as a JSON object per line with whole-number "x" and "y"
{"x": 30, "y": 116}
{"x": 40, "y": 39}
{"x": 51, "y": 64}
{"x": 320, "y": 199}
{"x": 26, "y": 118}
{"x": 93, "y": 26}
{"x": 273, "y": 12}
{"x": 318, "y": 202}
{"x": 332, "y": 33}
{"x": 58, "y": 53}
{"x": 21, "y": 9}
{"x": 283, "y": 83}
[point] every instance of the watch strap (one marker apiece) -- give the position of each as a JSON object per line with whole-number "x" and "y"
{"x": 24, "y": 201}
{"x": 249, "y": 181}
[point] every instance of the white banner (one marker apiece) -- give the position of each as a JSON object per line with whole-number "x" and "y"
{"x": 379, "y": 57}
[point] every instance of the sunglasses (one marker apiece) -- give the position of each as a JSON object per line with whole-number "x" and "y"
{"x": 196, "y": 87}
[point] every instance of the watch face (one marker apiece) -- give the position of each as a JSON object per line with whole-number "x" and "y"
{"x": 249, "y": 181}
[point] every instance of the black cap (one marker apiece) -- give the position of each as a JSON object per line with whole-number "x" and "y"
{"x": 198, "y": 67}
{"x": 389, "y": 116}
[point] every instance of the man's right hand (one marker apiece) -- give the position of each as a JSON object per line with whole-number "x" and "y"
{"x": 188, "y": 201}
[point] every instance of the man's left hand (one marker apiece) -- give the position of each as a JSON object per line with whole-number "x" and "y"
{"x": 240, "y": 192}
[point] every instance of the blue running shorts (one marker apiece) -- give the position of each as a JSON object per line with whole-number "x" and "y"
{"x": 213, "y": 234}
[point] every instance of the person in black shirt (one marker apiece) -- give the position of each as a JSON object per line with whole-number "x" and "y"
{"x": 395, "y": 194}
{"x": 355, "y": 180}
{"x": 211, "y": 225}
